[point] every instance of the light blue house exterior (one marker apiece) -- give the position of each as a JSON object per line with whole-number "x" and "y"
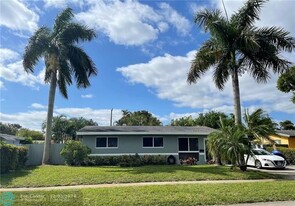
{"x": 180, "y": 142}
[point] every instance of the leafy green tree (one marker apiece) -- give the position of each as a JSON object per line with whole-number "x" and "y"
{"x": 75, "y": 124}
{"x": 65, "y": 129}
{"x": 211, "y": 119}
{"x": 11, "y": 129}
{"x": 183, "y": 121}
{"x": 27, "y": 140}
{"x": 286, "y": 82}
{"x": 63, "y": 59}
{"x": 237, "y": 46}
{"x": 287, "y": 125}
{"x": 35, "y": 135}
{"x": 138, "y": 118}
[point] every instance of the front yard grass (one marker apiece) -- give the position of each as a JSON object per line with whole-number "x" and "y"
{"x": 65, "y": 175}
{"x": 194, "y": 194}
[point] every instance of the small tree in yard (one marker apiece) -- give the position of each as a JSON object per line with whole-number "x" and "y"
{"x": 75, "y": 152}
{"x": 230, "y": 143}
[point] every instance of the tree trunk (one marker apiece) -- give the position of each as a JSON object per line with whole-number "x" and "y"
{"x": 46, "y": 153}
{"x": 236, "y": 94}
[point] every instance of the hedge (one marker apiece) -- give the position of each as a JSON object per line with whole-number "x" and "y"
{"x": 126, "y": 160}
{"x": 289, "y": 153}
{"x": 12, "y": 157}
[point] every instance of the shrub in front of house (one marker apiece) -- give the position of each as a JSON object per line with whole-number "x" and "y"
{"x": 126, "y": 160}
{"x": 12, "y": 157}
{"x": 75, "y": 153}
{"x": 289, "y": 153}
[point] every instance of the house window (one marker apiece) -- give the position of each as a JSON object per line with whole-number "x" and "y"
{"x": 107, "y": 142}
{"x": 152, "y": 142}
{"x": 188, "y": 144}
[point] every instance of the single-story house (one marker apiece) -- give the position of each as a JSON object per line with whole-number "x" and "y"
{"x": 284, "y": 137}
{"x": 11, "y": 139}
{"x": 177, "y": 141}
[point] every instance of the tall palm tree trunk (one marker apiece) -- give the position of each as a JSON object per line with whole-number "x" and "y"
{"x": 236, "y": 94}
{"x": 46, "y": 152}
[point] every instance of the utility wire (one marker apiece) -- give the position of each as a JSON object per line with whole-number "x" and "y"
{"x": 224, "y": 10}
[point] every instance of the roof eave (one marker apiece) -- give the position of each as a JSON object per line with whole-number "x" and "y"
{"x": 137, "y": 133}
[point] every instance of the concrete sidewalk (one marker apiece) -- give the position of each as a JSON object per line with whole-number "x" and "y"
{"x": 278, "y": 203}
{"x": 132, "y": 184}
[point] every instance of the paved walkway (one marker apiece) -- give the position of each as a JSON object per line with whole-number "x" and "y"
{"x": 132, "y": 184}
{"x": 278, "y": 203}
{"x": 287, "y": 173}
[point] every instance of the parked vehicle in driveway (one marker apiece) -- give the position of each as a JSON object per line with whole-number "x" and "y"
{"x": 261, "y": 158}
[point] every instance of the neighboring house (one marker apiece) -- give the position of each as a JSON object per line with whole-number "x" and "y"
{"x": 11, "y": 139}
{"x": 284, "y": 137}
{"x": 180, "y": 142}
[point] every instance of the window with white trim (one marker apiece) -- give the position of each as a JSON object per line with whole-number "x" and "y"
{"x": 107, "y": 142}
{"x": 188, "y": 144}
{"x": 152, "y": 142}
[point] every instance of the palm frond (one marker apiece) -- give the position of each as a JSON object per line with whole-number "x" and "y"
{"x": 214, "y": 22}
{"x": 278, "y": 37}
{"x": 62, "y": 20}
{"x": 222, "y": 72}
{"x": 64, "y": 78}
{"x": 38, "y": 44}
{"x": 74, "y": 32}
{"x": 207, "y": 56}
{"x": 82, "y": 65}
{"x": 247, "y": 15}
{"x": 258, "y": 125}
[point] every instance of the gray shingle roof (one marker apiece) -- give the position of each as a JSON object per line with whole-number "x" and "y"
{"x": 134, "y": 130}
{"x": 287, "y": 133}
{"x": 11, "y": 137}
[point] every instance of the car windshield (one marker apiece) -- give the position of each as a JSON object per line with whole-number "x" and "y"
{"x": 261, "y": 152}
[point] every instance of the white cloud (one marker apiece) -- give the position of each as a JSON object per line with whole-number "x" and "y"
{"x": 166, "y": 76}
{"x": 55, "y": 3}
{"x": 166, "y": 119}
{"x": 131, "y": 22}
{"x": 38, "y": 106}
{"x": 31, "y": 119}
{"x": 34, "y": 119}
{"x": 60, "y": 3}
{"x": 17, "y": 16}
{"x": 87, "y": 96}
{"x": 181, "y": 24}
{"x": 7, "y": 55}
{"x": 11, "y": 69}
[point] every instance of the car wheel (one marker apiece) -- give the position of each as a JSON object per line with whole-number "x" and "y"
{"x": 258, "y": 164}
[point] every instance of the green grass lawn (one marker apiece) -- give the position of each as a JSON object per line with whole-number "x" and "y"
{"x": 205, "y": 194}
{"x": 64, "y": 175}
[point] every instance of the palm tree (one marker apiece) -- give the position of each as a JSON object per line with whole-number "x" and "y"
{"x": 235, "y": 146}
{"x": 230, "y": 143}
{"x": 63, "y": 58}
{"x": 258, "y": 126}
{"x": 236, "y": 46}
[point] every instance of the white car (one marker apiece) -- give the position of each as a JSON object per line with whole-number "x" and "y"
{"x": 261, "y": 158}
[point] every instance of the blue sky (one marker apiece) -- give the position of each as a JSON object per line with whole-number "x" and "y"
{"x": 142, "y": 51}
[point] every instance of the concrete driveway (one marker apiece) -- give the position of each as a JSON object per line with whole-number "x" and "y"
{"x": 287, "y": 173}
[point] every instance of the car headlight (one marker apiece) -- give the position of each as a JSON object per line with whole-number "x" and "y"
{"x": 267, "y": 160}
